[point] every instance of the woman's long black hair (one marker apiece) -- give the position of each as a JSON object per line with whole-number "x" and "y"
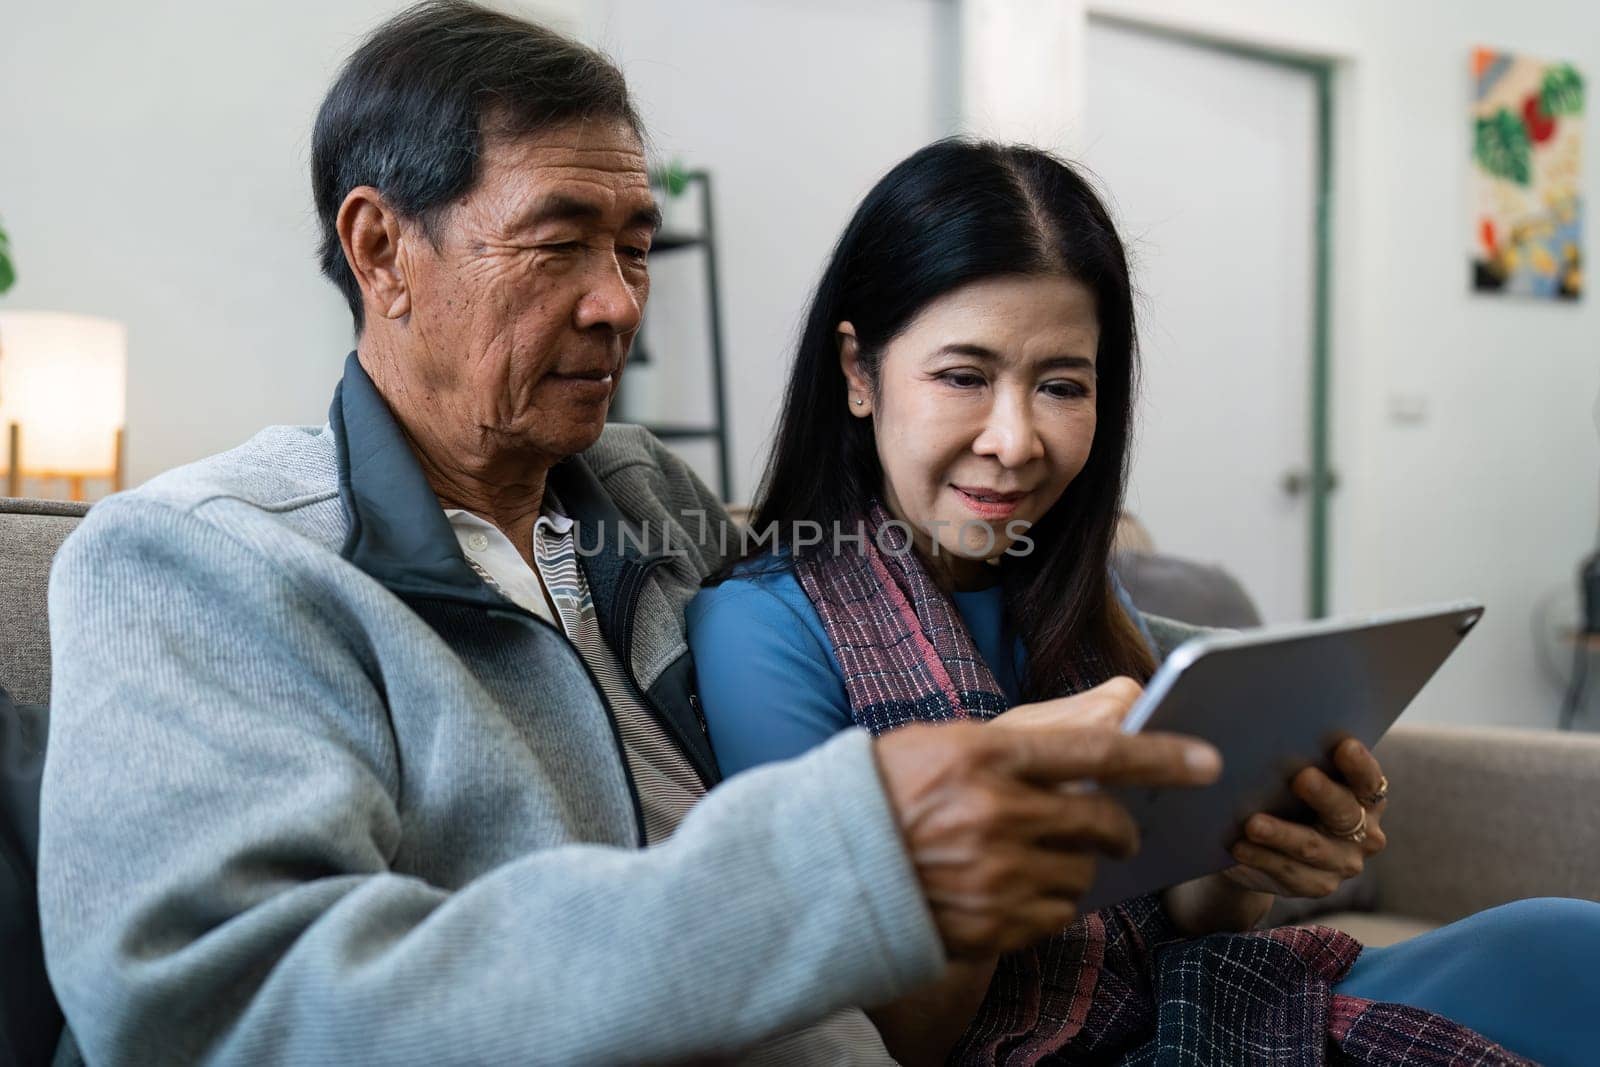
{"x": 954, "y": 213}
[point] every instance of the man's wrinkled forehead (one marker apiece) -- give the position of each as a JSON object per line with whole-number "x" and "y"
{"x": 601, "y": 164}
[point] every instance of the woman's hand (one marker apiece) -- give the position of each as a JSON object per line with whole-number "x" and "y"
{"x": 1103, "y": 708}
{"x": 1282, "y": 858}
{"x": 1294, "y": 860}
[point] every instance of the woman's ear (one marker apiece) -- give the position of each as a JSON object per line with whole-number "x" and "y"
{"x": 859, "y": 389}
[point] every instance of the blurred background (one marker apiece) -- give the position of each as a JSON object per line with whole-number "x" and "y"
{"x": 1357, "y": 228}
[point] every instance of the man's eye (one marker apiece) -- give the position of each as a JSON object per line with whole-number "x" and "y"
{"x": 638, "y": 255}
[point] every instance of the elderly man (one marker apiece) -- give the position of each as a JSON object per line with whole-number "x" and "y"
{"x": 360, "y": 731}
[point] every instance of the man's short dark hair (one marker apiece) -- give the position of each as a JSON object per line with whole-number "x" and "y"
{"x": 407, "y": 113}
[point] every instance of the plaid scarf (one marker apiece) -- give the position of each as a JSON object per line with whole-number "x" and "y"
{"x": 1120, "y": 985}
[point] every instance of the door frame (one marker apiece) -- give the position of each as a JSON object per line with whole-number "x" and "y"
{"x": 1322, "y": 479}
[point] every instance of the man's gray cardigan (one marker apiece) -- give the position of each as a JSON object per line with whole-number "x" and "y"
{"x": 314, "y": 794}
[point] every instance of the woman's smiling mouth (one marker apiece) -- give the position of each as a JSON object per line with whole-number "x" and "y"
{"x": 988, "y": 503}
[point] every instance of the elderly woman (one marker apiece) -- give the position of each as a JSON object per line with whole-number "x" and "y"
{"x": 957, "y": 428}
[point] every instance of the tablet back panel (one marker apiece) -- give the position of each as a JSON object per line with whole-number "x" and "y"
{"x": 1273, "y": 701}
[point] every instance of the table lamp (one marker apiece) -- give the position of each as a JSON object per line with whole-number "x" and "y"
{"x": 63, "y": 398}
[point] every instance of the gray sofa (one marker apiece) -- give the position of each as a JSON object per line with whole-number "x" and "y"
{"x": 30, "y": 533}
{"x": 1479, "y": 817}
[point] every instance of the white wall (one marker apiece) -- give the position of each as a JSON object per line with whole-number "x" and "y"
{"x": 796, "y": 107}
{"x": 1494, "y": 493}
{"x": 153, "y": 168}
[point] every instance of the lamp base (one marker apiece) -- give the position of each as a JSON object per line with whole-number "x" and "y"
{"x": 14, "y": 460}
{"x": 77, "y": 487}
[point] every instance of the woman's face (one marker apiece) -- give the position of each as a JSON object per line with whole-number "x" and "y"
{"x": 984, "y": 412}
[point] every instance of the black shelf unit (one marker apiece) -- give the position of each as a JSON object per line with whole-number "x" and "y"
{"x": 704, "y": 242}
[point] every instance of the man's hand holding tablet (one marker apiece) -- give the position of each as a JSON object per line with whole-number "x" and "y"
{"x": 1277, "y": 857}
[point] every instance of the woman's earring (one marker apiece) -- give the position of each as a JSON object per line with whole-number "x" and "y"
{"x": 859, "y": 401}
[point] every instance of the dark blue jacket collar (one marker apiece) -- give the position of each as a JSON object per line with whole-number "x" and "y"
{"x": 398, "y": 532}
{"x": 400, "y": 535}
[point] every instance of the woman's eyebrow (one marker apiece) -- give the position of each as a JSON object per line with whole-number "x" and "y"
{"x": 989, "y": 355}
{"x": 1067, "y": 363}
{"x": 966, "y": 348}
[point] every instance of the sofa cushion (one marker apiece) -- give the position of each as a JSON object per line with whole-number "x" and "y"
{"x": 1481, "y": 816}
{"x": 30, "y": 533}
{"x": 1375, "y": 928}
{"x": 1182, "y": 589}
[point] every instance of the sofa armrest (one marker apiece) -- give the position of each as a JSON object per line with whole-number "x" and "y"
{"x": 1483, "y": 816}
{"x": 30, "y": 533}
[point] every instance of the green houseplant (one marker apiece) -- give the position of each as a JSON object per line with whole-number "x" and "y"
{"x": 8, "y": 273}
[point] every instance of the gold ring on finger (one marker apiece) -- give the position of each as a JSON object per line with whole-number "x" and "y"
{"x": 1378, "y": 795}
{"x": 1357, "y": 834}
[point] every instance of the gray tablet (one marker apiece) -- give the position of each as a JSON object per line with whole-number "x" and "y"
{"x": 1273, "y": 701}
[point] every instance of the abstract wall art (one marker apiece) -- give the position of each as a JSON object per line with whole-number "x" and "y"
{"x": 1527, "y": 166}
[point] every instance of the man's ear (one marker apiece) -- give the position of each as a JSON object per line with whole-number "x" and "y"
{"x": 371, "y": 234}
{"x": 858, "y": 392}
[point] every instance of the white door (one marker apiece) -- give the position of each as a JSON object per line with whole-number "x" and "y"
{"x": 1209, "y": 161}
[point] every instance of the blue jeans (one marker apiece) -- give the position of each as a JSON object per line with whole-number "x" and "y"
{"x": 1525, "y": 975}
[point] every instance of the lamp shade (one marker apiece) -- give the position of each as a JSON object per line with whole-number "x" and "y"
{"x": 63, "y": 379}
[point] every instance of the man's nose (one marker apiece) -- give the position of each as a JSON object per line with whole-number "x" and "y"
{"x": 1009, "y": 433}
{"x": 610, "y": 301}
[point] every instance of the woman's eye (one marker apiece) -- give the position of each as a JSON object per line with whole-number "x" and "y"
{"x": 961, "y": 379}
{"x": 1066, "y": 390}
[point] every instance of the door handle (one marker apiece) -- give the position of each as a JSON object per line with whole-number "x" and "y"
{"x": 1297, "y": 482}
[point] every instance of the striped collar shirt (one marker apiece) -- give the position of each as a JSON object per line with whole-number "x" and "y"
{"x": 558, "y": 593}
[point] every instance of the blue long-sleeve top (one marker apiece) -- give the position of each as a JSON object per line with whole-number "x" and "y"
{"x": 770, "y": 683}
